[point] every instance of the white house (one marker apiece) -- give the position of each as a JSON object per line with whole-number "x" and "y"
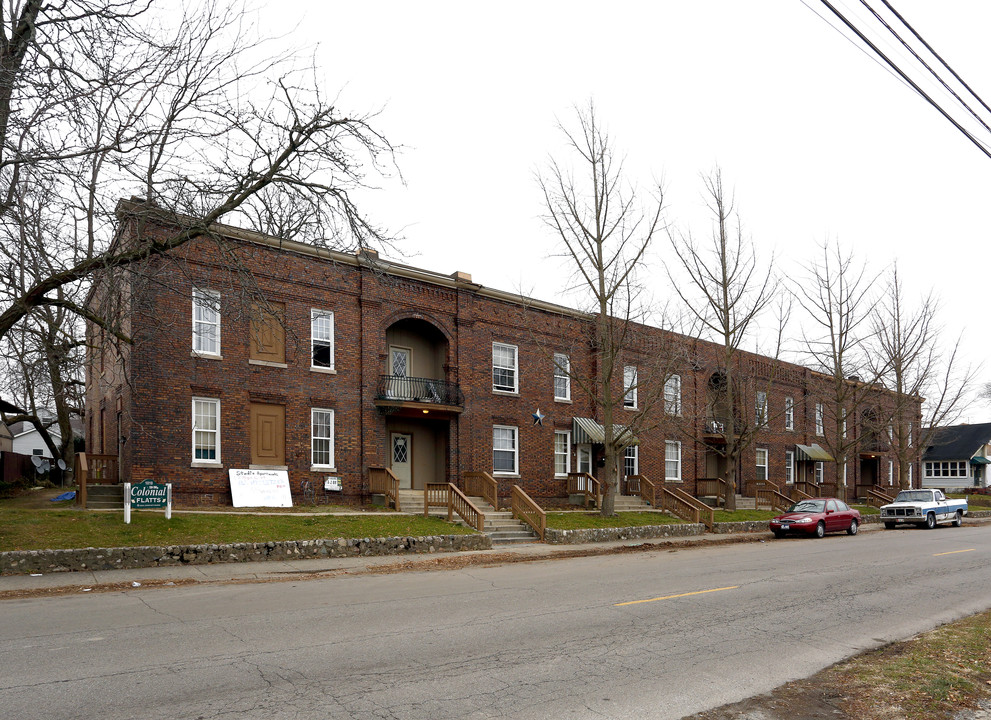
{"x": 957, "y": 457}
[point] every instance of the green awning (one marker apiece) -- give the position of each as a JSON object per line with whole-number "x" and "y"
{"x": 812, "y": 453}
{"x": 978, "y": 460}
{"x": 585, "y": 431}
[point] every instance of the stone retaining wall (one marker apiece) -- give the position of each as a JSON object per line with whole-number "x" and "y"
{"x": 640, "y": 532}
{"x": 48, "y": 561}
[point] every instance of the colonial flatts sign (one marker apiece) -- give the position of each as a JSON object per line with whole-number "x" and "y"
{"x": 149, "y": 494}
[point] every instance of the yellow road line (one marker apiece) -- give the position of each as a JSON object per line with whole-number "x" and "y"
{"x": 669, "y": 597}
{"x": 954, "y": 552}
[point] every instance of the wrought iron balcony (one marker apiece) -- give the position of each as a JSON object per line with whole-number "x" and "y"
{"x": 400, "y": 389}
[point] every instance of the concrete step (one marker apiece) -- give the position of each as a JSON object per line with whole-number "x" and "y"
{"x": 102, "y": 497}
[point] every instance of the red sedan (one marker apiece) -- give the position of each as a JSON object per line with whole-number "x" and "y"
{"x": 817, "y": 516}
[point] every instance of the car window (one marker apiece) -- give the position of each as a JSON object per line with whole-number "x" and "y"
{"x": 831, "y": 505}
{"x": 809, "y": 506}
{"x": 841, "y": 506}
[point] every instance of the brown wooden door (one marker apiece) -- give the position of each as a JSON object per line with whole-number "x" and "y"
{"x": 268, "y": 434}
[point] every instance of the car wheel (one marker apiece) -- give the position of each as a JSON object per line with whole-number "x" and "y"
{"x": 779, "y": 534}
{"x": 821, "y": 529}
{"x": 930, "y": 521}
{"x": 889, "y": 526}
{"x": 852, "y": 530}
{"x": 958, "y": 519}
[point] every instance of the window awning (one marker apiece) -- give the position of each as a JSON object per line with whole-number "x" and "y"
{"x": 813, "y": 452}
{"x": 978, "y": 460}
{"x": 587, "y": 431}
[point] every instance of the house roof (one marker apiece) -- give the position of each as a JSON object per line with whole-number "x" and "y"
{"x": 958, "y": 442}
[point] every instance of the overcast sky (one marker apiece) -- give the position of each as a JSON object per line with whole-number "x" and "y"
{"x": 815, "y": 137}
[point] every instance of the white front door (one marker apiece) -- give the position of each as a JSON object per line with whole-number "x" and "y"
{"x": 585, "y": 458}
{"x": 402, "y": 459}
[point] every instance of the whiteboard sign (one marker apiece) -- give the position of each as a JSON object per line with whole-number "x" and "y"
{"x": 260, "y": 488}
{"x": 332, "y": 483}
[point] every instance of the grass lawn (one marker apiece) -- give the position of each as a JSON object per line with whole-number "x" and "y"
{"x": 22, "y": 529}
{"x": 581, "y": 520}
{"x": 867, "y": 509}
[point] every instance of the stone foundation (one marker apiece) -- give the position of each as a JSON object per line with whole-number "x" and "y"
{"x": 642, "y": 532}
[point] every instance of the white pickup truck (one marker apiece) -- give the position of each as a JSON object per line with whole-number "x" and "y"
{"x": 926, "y": 508}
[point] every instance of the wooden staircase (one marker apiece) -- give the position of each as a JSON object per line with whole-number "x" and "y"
{"x": 500, "y": 525}
{"x": 105, "y": 497}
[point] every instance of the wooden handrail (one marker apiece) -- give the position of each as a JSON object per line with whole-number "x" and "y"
{"x": 81, "y": 471}
{"x": 716, "y": 487}
{"x": 876, "y": 498}
{"x": 679, "y": 503}
{"x": 94, "y": 469}
{"x": 812, "y": 489}
{"x": 448, "y": 496}
{"x": 797, "y": 494}
{"x": 483, "y": 485}
{"x": 382, "y": 481}
{"x": 643, "y": 487}
{"x": 528, "y": 511}
{"x": 584, "y": 484}
{"x": 766, "y": 495}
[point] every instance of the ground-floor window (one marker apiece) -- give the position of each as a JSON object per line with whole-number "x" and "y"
{"x": 631, "y": 461}
{"x": 505, "y": 450}
{"x": 891, "y": 473}
{"x": 672, "y": 461}
{"x": 819, "y": 471}
{"x": 322, "y": 438}
{"x": 789, "y": 466}
{"x": 206, "y": 430}
{"x": 761, "y": 464}
{"x": 562, "y": 453}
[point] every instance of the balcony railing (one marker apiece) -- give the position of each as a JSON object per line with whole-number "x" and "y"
{"x": 421, "y": 390}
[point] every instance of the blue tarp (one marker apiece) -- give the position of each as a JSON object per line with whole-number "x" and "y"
{"x": 71, "y": 495}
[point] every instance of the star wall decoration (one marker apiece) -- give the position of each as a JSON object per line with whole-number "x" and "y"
{"x": 538, "y": 417}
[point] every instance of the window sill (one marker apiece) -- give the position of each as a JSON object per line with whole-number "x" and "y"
{"x": 678, "y": 481}
{"x": 266, "y": 363}
{"x": 322, "y": 469}
{"x": 630, "y": 407}
{"x": 560, "y": 477}
{"x": 506, "y": 475}
{"x": 325, "y": 371}
{"x": 206, "y": 464}
{"x": 563, "y": 401}
{"x": 509, "y": 393}
{"x": 205, "y": 356}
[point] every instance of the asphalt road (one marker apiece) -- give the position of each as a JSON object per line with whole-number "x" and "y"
{"x": 648, "y": 635}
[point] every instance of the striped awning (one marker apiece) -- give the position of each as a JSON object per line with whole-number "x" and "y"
{"x": 813, "y": 453}
{"x": 585, "y": 431}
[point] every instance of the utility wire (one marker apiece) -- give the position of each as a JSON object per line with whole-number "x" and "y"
{"x": 907, "y": 79}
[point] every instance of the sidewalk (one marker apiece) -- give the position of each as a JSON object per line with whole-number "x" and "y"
{"x": 277, "y": 570}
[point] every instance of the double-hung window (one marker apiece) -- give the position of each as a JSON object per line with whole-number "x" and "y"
{"x": 820, "y": 419}
{"x": 789, "y": 413}
{"x": 761, "y": 464}
{"x": 630, "y": 387}
{"x": 562, "y": 453}
{"x": 672, "y": 395}
{"x": 631, "y": 461}
{"x": 505, "y": 450}
{"x": 562, "y": 377}
{"x": 206, "y": 322}
{"x": 819, "y": 472}
{"x": 322, "y": 438}
{"x": 505, "y": 366}
{"x": 206, "y": 430}
{"x": 760, "y": 409}
{"x": 789, "y": 466}
{"x": 672, "y": 461}
{"x": 321, "y": 339}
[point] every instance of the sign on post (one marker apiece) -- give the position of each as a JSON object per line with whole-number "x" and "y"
{"x": 147, "y": 494}
{"x": 260, "y": 488}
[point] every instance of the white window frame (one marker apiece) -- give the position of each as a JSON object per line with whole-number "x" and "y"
{"x": 891, "y": 473}
{"x": 843, "y": 418}
{"x": 789, "y": 413}
{"x": 631, "y": 460}
{"x": 515, "y": 450}
{"x": 672, "y": 395}
{"x": 760, "y": 408}
{"x": 562, "y": 372}
{"x": 820, "y": 472}
{"x": 314, "y": 438}
{"x": 315, "y": 315}
{"x": 514, "y": 389}
{"x": 566, "y": 454}
{"x": 820, "y": 420}
{"x": 630, "y": 387}
{"x": 674, "y": 445}
{"x": 207, "y": 327}
{"x": 789, "y": 467}
{"x": 215, "y": 432}
{"x": 910, "y": 475}
{"x": 959, "y": 469}
{"x": 758, "y": 455}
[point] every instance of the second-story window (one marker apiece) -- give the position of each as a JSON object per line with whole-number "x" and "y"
{"x": 562, "y": 377}
{"x": 630, "y": 387}
{"x": 672, "y": 395}
{"x": 789, "y": 413}
{"x": 505, "y": 375}
{"x": 322, "y": 339}
{"x": 820, "y": 420}
{"x": 206, "y": 322}
{"x": 760, "y": 409}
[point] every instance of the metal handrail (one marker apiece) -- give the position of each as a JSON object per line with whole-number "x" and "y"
{"x": 416, "y": 389}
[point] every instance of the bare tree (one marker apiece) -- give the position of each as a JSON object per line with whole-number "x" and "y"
{"x": 605, "y": 231}
{"x": 839, "y": 306}
{"x": 103, "y": 100}
{"x": 922, "y": 371}
{"x": 725, "y": 294}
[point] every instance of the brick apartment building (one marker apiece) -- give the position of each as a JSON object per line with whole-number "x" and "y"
{"x": 327, "y": 364}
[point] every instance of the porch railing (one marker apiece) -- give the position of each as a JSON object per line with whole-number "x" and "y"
{"x": 93, "y": 469}
{"x": 640, "y": 486}
{"x": 584, "y": 484}
{"x": 446, "y": 495}
{"x": 812, "y": 489}
{"x": 796, "y": 493}
{"x": 528, "y": 511}
{"x": 876, "y": 498}
{"x": 483, "y": 485}
{"x": 381, "y": 481}
{"x": 767, "y": 496}
{"x": 680, "y": 504}
{"x": 712, "y": 487}
{"x": 416, "y": 389}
